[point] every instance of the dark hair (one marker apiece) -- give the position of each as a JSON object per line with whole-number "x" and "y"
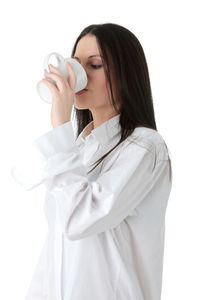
{"x": 122, "y": 53}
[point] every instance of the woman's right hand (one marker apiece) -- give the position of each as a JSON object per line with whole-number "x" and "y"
{"x": 62, "y": 94}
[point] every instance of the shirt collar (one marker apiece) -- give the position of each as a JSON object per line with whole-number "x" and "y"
{"x": 103, "y": 133}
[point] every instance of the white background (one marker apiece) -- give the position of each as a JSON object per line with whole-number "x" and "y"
{"x": 169, "y": 34}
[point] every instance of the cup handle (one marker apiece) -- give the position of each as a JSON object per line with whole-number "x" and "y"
{"x": 58, "y": 56}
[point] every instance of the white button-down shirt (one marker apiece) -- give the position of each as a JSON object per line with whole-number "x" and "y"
{"x": 106, "y": 229}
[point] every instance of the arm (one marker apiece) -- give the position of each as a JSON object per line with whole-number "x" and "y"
{"x": 43, "y": 159}
{"x": 90, "y": 207}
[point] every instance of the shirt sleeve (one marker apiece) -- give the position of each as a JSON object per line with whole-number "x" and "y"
{"x": 88, "y": 207}
{"x": 45, "y": 158}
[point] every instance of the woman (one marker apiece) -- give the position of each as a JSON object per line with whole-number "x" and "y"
{"x": 108, "y": 188}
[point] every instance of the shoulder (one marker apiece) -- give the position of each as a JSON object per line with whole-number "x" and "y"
{"x": 150, "y": 139}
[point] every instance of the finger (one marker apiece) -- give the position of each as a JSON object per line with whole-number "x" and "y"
{"x": 55, "y": 70}
{"x": 50, "y": 85}
{"x": 58, "y": 79}
{"x": 72, "y": 76}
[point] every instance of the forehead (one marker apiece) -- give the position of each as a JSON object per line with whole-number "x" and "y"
{"x": 87, "y": 46}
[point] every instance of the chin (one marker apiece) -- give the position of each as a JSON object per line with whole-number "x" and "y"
{"x": 80, "y": 107}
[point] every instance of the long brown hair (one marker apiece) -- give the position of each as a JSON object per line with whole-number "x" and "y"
{"x": 124, "y": 55}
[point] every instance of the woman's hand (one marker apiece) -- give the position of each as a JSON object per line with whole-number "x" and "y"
{"x": 62, "y": 94}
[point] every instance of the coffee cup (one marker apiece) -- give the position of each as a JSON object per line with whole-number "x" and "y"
{"x": 81, "y": 76}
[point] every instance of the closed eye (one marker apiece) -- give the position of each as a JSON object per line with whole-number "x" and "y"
{"x": 96, "y": 66}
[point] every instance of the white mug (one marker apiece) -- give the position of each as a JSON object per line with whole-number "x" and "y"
{"x": 81, "y": 76}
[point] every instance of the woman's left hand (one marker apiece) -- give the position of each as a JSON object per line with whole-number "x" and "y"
{"x": 62, "y": 94}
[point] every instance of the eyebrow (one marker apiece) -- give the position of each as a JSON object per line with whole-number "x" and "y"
{"x": 89, "y": 56}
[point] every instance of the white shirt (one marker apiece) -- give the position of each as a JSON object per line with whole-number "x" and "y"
{"x": 106, "y": 229}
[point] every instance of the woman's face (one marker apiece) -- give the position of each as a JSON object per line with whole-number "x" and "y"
{"x": 97, "y": 96}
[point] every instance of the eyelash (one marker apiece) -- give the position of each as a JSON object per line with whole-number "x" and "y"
{"x": 96, "y": 66}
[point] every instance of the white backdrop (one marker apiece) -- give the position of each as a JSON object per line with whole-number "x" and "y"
{"x": 169, "y": 34}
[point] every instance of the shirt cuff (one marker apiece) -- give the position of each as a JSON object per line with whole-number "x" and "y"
{"x": 59, "y": 139}
{"x": 46, "y": 157}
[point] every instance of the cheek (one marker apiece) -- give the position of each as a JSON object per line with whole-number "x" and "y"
{"x": 102, "y": 82}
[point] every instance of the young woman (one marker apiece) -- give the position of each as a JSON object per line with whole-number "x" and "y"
{"x": 107, "y": 189}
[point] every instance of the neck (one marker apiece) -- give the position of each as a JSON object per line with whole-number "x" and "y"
{"x": 100, "y": 119}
